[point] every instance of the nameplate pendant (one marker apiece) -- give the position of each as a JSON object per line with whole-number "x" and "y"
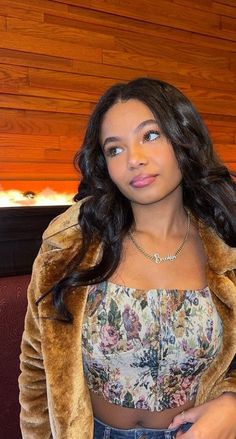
{"x": 158, "y": 259}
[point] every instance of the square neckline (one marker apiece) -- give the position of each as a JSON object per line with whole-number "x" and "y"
{"x": 157, "y": 290}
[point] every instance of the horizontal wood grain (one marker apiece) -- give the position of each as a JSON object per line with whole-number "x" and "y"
{"x": 40, "y": 123}
{"x": 174, "y": 70}
{"x": 11, "y": 40}
{"x": 12, "y": 76}
{"x": 224, "y": 9}
{"x": 19, "y": 10}
{"x": 229, "y": 24}
{"x": 33, "y": 142}
{"x": 32, "y": 155}
{"x": 63, "y": 186}
{"x": 161, "y": 12}
{"x": 36, "y": 6}
{"x": 119, "y": 25}
{"x": 213, "y": 101}
{"x": 227, "y": 152}
{"x": 217, "y": 121}
{"x": 72, "y": 95}
{"x": 226, "y": 2}
{"x": 117, "y": 72}
{"x": 202, "y": 5}
{"x": 62, "y": 33}
{"x": 180, "y": 52}
{"x": 28, "y": 59}
{"x": 3, "y": 23}
{"x": 16, "y": 141}
{"x": 70, "y": 143}
{"x": 45, "y": 104}
{"x": 38, "y": 171}
{"x": 58, "y": 56}
{"x": 211, "y": 6}
{"x": 224, "y": 137}
{"x": 67, "y": 81}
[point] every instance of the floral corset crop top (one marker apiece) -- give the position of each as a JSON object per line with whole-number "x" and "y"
{"x": 148, "y": 349}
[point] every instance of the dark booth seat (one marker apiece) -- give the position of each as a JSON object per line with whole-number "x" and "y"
{"x": 13, "y": 304}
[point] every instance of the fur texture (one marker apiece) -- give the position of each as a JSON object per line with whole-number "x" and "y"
{"x": 54, "y": 398}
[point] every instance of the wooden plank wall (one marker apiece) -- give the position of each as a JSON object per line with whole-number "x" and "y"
{"x": 57, "y": 57}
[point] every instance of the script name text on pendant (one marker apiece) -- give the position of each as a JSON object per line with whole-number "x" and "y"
{"x": 158, "y": 259}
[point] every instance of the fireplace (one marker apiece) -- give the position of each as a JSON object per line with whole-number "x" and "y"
{"x": 24, "y": 217}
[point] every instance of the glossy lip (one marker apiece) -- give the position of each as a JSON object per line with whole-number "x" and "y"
{"x": 142, "y": 180}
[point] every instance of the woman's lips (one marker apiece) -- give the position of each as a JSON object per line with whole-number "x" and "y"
{"x": 142, "y": 181}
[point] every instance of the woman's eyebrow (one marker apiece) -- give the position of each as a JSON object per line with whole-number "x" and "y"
{"x": 139, "y": 127}
{"x": 144, "y": 123}
{"x": 110, "y": 139}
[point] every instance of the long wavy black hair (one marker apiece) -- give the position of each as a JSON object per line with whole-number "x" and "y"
{"x": 106, "y": 215}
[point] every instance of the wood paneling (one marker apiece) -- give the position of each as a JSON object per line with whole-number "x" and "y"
{"x": 162, "y": 12}
{"x": 45, "y": 104}
{"x": 37, "y": 170}
{"x": 58, "y": 56}
{"x": 18, "y": 10}
{"x": 73, "y": 35}
{"x": 37, "y": 186}
{"x": 3, "y": 23}
{"x": 227, "y": 151}
{"x": 84, "y": 18}
{"x": 40, "y": 123}
{"x": 13, "y": 40}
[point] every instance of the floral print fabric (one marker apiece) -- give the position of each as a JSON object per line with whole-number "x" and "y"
{"x": 148, "y": 349}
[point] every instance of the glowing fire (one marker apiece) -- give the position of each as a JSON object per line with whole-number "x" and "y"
{"x": 47, "y": 197}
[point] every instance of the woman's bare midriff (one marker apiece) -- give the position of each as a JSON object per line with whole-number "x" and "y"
{"x": 121, "y": 417}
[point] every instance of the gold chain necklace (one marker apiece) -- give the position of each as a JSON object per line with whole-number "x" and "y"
{"x": 156, "y": 256}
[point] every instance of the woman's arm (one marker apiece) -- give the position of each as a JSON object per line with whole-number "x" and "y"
{"x": 34, "y": 417}
{"x": 214, "y": 419}
{"x": 61, "y": 242}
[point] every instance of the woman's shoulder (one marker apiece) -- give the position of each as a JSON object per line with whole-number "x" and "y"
{"x": 221, "y": 257}
{"x": 64, "y": 221}
{"x": 64, "y": 227}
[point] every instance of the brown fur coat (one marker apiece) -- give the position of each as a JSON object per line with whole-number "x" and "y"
{"x": 54, "y": 398}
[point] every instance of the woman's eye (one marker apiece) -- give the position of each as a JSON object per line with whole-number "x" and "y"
{"x": 151, "y": 135}
{"x": 113, "y": 151}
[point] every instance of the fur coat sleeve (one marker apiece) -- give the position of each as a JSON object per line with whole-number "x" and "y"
{"x": 33, "y": 395}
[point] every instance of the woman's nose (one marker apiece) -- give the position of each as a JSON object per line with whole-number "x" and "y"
{"x": 136, "y": 156}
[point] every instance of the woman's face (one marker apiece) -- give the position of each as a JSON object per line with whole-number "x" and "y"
{"x": 140, "y": 160}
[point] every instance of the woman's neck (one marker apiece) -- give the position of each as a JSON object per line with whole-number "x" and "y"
{"x": 160, "y": 219}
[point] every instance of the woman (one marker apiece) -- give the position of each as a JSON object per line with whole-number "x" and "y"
{"x": 130, "y": 327}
